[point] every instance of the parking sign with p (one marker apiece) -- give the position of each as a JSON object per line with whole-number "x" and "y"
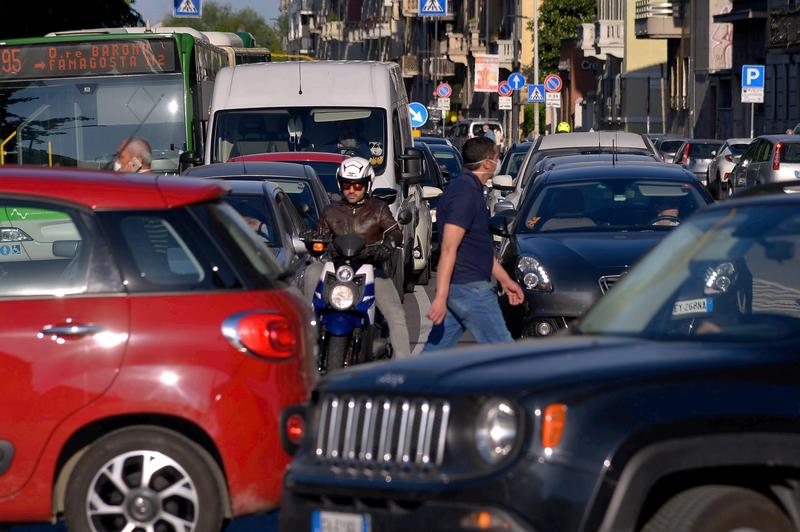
{"x": 753, "y": 76}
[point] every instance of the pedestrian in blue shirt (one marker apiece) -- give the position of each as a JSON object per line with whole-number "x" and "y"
{"x": 465, "y": 299}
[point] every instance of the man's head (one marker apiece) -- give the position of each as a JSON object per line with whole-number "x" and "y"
{"x": 134, "y": 155}
{"x": 355, "y": 177}
{"x": 485, "y": 128}
{"x": 480, "y": 157}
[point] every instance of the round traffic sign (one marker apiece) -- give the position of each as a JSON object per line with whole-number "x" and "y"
{"x": 444, "y": 90}
{"x": 505, "y": 89}
{"x": 418, "y": 114}
{"x": 552, "y": 83}
{"x": 516, "y": 80}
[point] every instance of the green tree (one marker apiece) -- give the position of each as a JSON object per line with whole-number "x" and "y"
{"x": 559, "y": 20}
{"x": 218, "y": 17}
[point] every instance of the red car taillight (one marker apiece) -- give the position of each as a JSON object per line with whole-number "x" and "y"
{"x": 263, "y": 333}
{"x": 685, "y": 158}
{"x": 776, "y": 162}
{"x": 726, "y": 176}
{"x": 295, "y": 428}
{"x": 729, "y": 158}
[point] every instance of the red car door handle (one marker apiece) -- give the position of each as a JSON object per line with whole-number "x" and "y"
{"x": 73, "y": 330}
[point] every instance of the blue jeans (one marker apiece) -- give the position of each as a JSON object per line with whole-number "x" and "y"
{"x": 471, "y": 307}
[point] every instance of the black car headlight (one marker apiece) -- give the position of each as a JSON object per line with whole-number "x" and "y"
{"x": 496, "y": 429}
{"x": 342, "y": 296}
{"x": 532, "y": 275}
{"x": 718, "y": 280}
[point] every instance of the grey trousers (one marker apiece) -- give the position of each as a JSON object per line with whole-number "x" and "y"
{"x": 386, "y": 298}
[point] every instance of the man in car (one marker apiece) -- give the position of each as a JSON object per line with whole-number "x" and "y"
{"x": 134, "y": 155}
{"x": 371, "y": 219}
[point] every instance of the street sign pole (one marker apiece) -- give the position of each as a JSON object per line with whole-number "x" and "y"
{"x": 752, "y": 119}
{"x": 536, "y": 63}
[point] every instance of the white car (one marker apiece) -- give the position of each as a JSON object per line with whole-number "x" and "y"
{"x": 722, "y": 164}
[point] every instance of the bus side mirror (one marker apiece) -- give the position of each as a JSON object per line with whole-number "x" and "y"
{"x": 188, "y": 159}
{"x": 411, "y": 163}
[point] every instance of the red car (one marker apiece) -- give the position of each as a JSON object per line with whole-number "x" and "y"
{"x": 325, "y": 164}
{"x": 148, "y": 345}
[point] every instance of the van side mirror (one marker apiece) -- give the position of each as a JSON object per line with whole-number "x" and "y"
{"x": 404, "y": 217}
{"x": 188, "y": 159}
{"x": 411, "y": 164}
{"x": 389, "y": 195}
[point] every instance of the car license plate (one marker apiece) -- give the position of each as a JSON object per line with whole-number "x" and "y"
{"x": 339, "y": 522}
{"x": 704, "y": 305}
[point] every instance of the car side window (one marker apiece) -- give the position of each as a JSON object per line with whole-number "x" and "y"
{"x": 48, "y": 250}
{"x": 747, "y": 156}
{"x": 397, "y": 136}
{"x": 290, "y": 216}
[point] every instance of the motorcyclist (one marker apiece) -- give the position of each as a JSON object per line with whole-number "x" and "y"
{"x": 563, "y": 127}
{"x": 370, "y": 218}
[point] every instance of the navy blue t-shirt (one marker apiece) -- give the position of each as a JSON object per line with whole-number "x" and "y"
{"x": 463, "y": 204}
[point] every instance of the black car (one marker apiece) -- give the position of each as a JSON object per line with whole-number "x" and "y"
{"x": 582, "y": 227}
{"x": 449, "y": 159}
{"x": 672, "y": 406}
{"x": 299, "y": 181}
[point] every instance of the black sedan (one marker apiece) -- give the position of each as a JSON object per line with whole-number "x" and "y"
{"x": 581, "y": 228}
{"x": 672, "y": 407}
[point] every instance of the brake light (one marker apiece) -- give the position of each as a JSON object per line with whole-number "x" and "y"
{"x": 266, "y": 334}
{"x": 685, "y": 158}
{"x": 317, "y": 248}
{"x": 726, "y": 176}
{"x": 554, "y": 419}
{"x": 776, "y": 162}
{"x": 295, "y": 428}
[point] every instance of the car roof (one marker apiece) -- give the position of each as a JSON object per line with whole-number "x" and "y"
{"x": 780, "y": 138}
{"x": 253, "y": 168}
{"x": 703, "y": 141}
{"x": 738, "y": 141}
{"x": 623, "y": 169}
{"x": 291, "y": 156}
{"x": 757, "y": 201}
{"x": 622, "y": 139}
{"x": 432, "y": 140}
{"x": 588, "y": 158}
{"x": 105, "y": 190}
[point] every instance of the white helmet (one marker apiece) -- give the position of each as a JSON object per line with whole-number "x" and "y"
{"x": 355, "y": 170}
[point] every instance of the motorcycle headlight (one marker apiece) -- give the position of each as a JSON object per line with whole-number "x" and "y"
{"x": 720, "y": 279}
{"x": 13, "y": 234}
{"x": 342, "y": 297}
{"x": 496, "y": 430}
{"x": 532, "y": 275}
{"x": 345, "y": 274}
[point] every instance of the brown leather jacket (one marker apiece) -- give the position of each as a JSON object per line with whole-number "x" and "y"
{"x": 371, "y": 220}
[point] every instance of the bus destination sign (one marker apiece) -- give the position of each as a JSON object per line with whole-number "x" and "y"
{"x": 78, "y": 59}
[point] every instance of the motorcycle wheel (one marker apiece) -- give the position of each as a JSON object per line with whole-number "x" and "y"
{"x": 336, "y": 350}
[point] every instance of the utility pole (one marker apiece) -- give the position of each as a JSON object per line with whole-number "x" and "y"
{"x": 536, "y": 63}
{"x": 487, "y": 94}
{"x": 516, "y": 68}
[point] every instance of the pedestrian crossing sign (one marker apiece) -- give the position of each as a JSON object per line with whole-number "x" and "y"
{"x": 536, "y": 93}
{"x": 187, "y": 8}
{"x": 432, "y": 8}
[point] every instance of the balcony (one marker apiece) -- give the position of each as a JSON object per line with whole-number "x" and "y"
{"x": 378, "y": 31}
{"x": 457, "y": 48}
{"x": 409, "y": 66}
{"x": 355, "y": 34}
{"x": 306, "y": 7}
{"x": 657, "y": 19}
{"x": 333, "y": 31}
{"x": 784, "y": 28}
{"x": 410, "y": 7}
{"x": 505, "y": 49}
{"x": 438, "y": 67}
{"x": 610, "y": 37}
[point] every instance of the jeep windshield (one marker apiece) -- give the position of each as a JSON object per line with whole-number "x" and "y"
{"x": 81, "y": 122}
{"x": 351, "y": 131}
{"x": 728, "y": 274}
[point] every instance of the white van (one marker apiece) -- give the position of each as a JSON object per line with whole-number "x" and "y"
{"x": 342, "y": 107}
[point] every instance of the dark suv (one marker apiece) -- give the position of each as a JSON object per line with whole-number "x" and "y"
{"x": 672, "y": 406}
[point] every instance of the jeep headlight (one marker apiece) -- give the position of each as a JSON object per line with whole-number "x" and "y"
{"x": 345, "y": 274}
{"x": 532, "y": 275}
{"x": 718, "y": 280}
{"x": 13, "y": 234}
{"x": 496, "y": 430}
{"x": 342, "y": 297}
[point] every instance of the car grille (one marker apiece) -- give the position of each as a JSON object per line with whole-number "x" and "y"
{"x": 607, "y": 281}
{"x": 382, "y": 432}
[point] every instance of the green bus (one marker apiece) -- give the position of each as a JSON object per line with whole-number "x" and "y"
{"x": 69, "y": 99}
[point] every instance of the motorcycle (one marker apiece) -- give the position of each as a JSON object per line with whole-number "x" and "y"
{"x": 351, "y": 329}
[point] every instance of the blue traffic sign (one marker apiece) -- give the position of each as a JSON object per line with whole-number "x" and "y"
{"x": 418, "y": 114}
{"x": 505, "y": 89}
{"x": 753, "y": 76}
{"x": 516, "y": 80}
{"x": 535, "y": 93}
{"x": 444, "y": 90}
{"x": 187, "y": 8}
{"x": 432, "y": 8}
{"x": 552, "y": 83}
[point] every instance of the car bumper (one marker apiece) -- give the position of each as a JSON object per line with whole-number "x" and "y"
{"x": 558, "y": 310}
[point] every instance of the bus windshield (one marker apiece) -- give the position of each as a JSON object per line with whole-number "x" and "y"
{"x": 346, "y": 130}
{"x": 80, "y": 122}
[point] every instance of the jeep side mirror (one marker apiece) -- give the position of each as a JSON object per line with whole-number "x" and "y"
{"x": 404, "y": 217}
{"x": 188, "y": 159}
{"x": 411, "y": 163}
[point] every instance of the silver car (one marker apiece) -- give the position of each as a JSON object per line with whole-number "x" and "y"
{"x": 721, "y": 166}
{"x": 768, "y": 159}
{"x": 695, "y": 155}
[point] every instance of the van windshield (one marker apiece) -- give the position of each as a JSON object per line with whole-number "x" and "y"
{"x": 353, "y": 131}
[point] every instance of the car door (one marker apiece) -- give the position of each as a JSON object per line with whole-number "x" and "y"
{"x": 294, "y": 226}
{"x": 739, "y": 173}
{"x": 64, "y": 330}
{"x": 755, "y": 173}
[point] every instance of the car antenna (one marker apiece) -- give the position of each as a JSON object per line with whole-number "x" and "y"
{"x": 299, "y": 77}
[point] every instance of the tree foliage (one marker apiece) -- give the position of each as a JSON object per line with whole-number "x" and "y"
{"x": 559, "y": 20}
{"x": 219, "y": 17}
